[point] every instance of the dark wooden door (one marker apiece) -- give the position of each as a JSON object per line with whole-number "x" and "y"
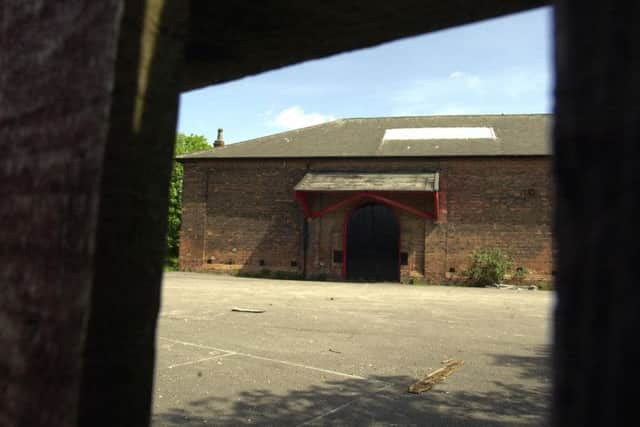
{"x": 372, "y": 244}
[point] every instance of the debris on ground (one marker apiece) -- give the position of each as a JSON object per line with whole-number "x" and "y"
{"x": 247, "y": 310}
{"x": 335, "y": 351}
{"x": 513, "y": 287}
{"x": 435, "y": 377}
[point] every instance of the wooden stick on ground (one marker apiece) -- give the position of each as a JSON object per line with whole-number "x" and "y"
{"x": 247, "y": 310}
{"x": 435, "y": 377}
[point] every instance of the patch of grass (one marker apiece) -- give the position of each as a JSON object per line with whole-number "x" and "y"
{"x": 171, "y": 264}
{"x": 417, "y": 282}
{"x": 262, "y": 274}
{"x": 424, "y": 282}
{"x": 265, "y": 273}
{"x": 458, "y": 283}
{"x": 287, "y": 275}
{"x": 545, "y": 286}
{"x": 453, "y": 283}
{"x": 520, "y": 275}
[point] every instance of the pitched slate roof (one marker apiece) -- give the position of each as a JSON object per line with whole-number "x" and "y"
{"x": 501, "y": 135}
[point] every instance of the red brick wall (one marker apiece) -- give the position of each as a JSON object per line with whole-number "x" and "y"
{"x": 503, "y": 203}
{"x": 194, "y": 201}
{"x": 251, "y": 215}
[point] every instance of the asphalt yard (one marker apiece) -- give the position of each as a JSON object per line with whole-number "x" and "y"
{"x": 327, "y": 353}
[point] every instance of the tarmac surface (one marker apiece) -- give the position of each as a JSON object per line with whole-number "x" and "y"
{"x": 326, "y": 353}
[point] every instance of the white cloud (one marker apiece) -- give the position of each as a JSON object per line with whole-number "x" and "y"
{"x": 295, "y": 117}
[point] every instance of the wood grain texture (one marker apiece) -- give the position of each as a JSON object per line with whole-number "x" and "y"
{"x": 56, "y": 62}
{"x": 597, "y": 149}
{"x": 119, "y": 354}
{"x": 234, "y": 39}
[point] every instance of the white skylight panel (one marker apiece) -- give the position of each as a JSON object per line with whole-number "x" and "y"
{"x": 406, "y": 134}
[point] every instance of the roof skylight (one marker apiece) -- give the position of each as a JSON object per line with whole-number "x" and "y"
{"x": 439, "y": 133}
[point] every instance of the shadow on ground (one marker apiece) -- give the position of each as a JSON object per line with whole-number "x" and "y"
{"x": 536, "y": 366}
{"x": 383, "y": 400}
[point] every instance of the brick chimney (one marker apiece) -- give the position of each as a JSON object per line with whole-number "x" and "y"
{"x": 220, "y": 141}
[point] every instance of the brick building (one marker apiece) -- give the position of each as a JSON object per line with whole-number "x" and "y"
{"x": 373, "y": 199}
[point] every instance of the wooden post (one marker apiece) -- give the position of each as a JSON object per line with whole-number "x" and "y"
{"x": 131, "y": 233}
{"x": 597, "y": 153}
{"x": 57, "y": 71}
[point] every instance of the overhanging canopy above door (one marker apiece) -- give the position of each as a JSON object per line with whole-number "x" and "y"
{"x": 367, "y": 186}
{"x": 313, "y": 181}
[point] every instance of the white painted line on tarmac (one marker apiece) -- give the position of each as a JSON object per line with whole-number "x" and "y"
{"x": 174, "y": 316}
{"x": 300, "y": 365}
{"x": 268, "y": 359}
{"x": 191, "y": 344}
{"x": 341, "y": 407}
{"x": 193, "y": 362}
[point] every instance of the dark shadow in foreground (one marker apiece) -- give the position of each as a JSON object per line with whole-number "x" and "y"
{"x": 383, "y": 400}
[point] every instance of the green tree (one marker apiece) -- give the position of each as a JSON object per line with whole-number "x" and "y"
{"x": 184, "y": 144}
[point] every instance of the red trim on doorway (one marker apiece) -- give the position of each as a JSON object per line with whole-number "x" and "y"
{"x": 302, "y": 198}
{"x": 399, "y": 246}
{"x": 304, "y": 203}
{"x": 345, "y": 225}
{"x": 363, "y": 197}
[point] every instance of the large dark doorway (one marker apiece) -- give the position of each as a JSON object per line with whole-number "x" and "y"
{"x": 373, "y": 244}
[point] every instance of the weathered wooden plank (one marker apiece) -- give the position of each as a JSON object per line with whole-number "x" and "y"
{"x": 435, "y": 377}
{"x": 368, "y": 182}
{"x": 57, "y": 72}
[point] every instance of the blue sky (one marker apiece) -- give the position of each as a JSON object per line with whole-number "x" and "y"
{"x": 497, "y": 66}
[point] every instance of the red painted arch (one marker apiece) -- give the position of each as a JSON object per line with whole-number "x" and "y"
{"x": 308, "y": 213}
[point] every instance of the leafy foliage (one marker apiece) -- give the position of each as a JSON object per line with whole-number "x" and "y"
{"x": 184, "y": 144}
{"x": 520, "y": 275}
{"x": 488, "y": 266}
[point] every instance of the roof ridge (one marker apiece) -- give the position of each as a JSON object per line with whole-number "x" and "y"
{"x": 339, "y": 137}
{"x": 422, "y": 116}
{"x": 258, "y": 139}
{"x": 272, "y": 135}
